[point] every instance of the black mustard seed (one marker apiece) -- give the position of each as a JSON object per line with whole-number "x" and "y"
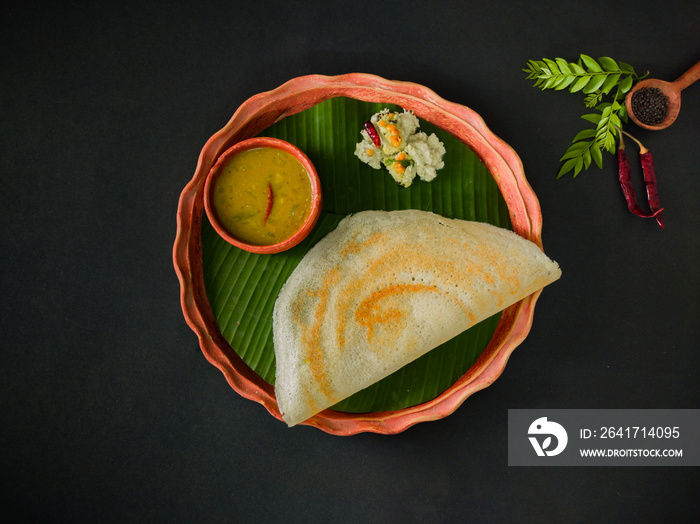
{"x": 650, "y": 105}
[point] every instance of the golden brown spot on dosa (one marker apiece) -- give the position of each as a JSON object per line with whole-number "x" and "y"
{"x": 370, "y": 313}
{"x": 497, "y": 268}
{"x": 312, "y": 338}
{"x": 355, "y": 247}
{"x": 440, "y": 270}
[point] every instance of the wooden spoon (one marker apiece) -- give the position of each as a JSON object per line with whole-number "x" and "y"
{"x": 671, "y": 89}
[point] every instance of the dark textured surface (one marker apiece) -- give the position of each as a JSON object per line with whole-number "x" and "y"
{"x": 110, "y": 412}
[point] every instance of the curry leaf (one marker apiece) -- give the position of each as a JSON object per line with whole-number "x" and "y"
{"x": 605, "y": 77}
{"x": 592, "y": 117}
{"x": 577, "y": 69}
{"x": 626, "y": 84}
{"x": 610, "y": 82}
{"x": 608, "y": 64}
{"x": 591, "y": 64}
{"x": 597, "y": 156}
{"x": 579, "y": 84}
{"x": 586, "y": 133}
{"x": 594, "y": 83}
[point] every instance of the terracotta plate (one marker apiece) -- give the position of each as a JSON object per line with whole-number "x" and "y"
{"x": 263, "y": 110}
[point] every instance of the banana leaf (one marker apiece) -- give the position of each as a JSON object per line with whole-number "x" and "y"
{"x": 242, "y": 287}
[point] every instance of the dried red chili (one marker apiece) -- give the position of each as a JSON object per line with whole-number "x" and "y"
{"x": 270, "y": 200}
{"x": 625, "y": 176}
{"x": 650, "y": 181}
{"x": 372, "y": 132}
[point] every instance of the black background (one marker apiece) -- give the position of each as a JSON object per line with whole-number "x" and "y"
{"x": 109, "y": 410}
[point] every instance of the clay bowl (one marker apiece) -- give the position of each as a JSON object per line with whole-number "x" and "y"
{"x": 672, "y": 90}
{"x": 254, "y": 143}
{"x": 260, "y": 112}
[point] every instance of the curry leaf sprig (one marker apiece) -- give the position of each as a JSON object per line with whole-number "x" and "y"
{"x": 597, "y": 79}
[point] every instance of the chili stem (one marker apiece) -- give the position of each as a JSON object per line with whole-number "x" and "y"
{"x": 642, "y": 149}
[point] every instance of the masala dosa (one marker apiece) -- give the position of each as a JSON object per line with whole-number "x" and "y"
{"x": 384, "y": 288}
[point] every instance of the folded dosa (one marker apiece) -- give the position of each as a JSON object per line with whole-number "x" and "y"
{"x": 384, "y": 288}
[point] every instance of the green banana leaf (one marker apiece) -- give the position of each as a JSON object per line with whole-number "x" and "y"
{"x": 242, "y": 287}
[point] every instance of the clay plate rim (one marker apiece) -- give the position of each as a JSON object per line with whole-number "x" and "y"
{"x": 264, "y": 109}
